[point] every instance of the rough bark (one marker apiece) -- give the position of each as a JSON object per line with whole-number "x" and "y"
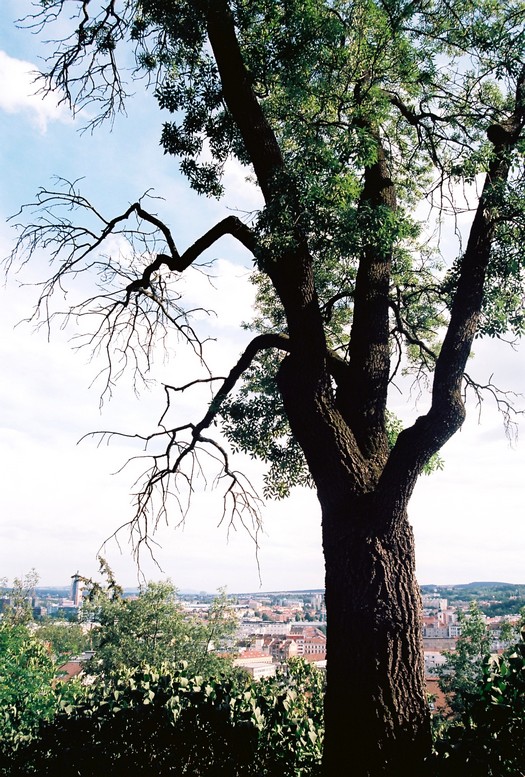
{"x": 363, "y": 395}
{"x": 376, "y": 715}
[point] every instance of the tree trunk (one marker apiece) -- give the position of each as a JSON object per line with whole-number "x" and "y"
{"x": 377, "y": 720}
{"x": 376, "y": 715}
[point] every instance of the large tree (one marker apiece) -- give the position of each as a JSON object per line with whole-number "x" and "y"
{"x": 350, "y": 115}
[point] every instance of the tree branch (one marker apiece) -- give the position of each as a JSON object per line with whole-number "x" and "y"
{"x": 84, "y": 66}
{"x": 363, "y": 402}
{"x": 178, "y": 263}
{"x": 260, "y": 343}
{"x": 411, "y": 338}
{"x": 170, "y": 477}
{"x": 259, "y": 138}
{"x": 504, "y": 402}
{"x": 328, "y": 307}
{"x": 416, "y": 445}
{"x": 130, "y": 315}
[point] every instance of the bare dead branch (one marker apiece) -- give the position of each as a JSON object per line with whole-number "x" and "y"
{"x": 84, "y": 66}
{"x": 194, "y": 383}
{"x": 505, "y": 403}
{"x": 259, "y": 343}
{"x": 173, "y": 472}
{"x": 134, "y": 305}
{"x": 228, "y": 226}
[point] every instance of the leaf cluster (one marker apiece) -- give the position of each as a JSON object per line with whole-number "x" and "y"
{"x": 153, "y": 629}
{"x": 172, "y": 41}
{"x": 27, "y": 696}
{"x": 254, "y": 422}
{"x": 488, "y": 738}
{"x": 460, "y": 675}
{"x": 394, "y": 427}
{"x": 64, "y": 639}
{"x": 170, "y": 722}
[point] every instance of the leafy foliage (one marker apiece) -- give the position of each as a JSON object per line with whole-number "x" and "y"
{"x": 27, "y": 696}
{"x": 254, "y": 422}
{"x": 166, "y": 721}
{"x": 488, "y": 738}
{"x": 460, "y": 675}
{"x": 64, "y": 639}
{"x": 507, "y": 607}
{"x": 153, "y": 629}
{"x": 20, "y": 593}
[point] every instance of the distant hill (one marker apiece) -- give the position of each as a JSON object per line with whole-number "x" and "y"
{"x": 476, "y": 587}
{"x": 503, "y": 586}
{"x": 495, "y": 598}
{"x": 482, "y": 589}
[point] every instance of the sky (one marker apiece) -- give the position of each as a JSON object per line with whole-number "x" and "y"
{"x": 61, "y": 500}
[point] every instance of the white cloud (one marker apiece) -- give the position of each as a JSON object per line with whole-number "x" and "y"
{"x": 224, "y": 289}
{"x": 19, "y": 93}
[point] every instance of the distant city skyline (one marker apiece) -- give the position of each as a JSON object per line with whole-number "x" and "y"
{"x": 298, "y": 591}
{"x": 59, "y": 501}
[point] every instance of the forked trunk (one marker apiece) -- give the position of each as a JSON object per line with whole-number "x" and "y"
{"x": 376, "y": 714}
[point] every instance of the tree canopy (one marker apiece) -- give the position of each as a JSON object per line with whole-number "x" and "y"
{"x": 153, "y": 629}
{"x": 341, "y": 88}
{"x": 386, "y": 138}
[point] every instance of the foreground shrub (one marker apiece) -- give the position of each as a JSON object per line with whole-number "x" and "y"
{"x": 488, "y": 739}
{"x": 27, "y": 695}
{"x": 163, "y": 722}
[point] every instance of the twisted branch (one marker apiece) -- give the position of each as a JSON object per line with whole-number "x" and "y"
{"x": 134, "y": 306}
{"x": 174, "y": 471}
{"x": 505, "y": 403}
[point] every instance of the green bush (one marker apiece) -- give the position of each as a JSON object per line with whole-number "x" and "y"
{"x": 26, "y": 684}
{"x": 488, "y": 739}
{"x": 164, "y": 722}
